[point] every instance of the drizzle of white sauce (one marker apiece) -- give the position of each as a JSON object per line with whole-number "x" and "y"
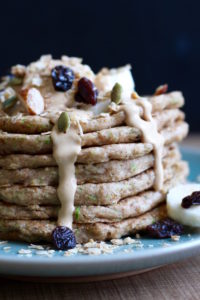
{"x": 66, "y": 147}
{"x": 149, "y": 131}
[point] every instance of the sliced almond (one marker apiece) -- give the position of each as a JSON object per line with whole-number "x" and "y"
{"x": 135, "y": 95}
{"x": 33, "y": 100}
{"x": 162, "y": 89}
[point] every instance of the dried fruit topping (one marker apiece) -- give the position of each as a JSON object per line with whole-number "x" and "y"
{"x": 63, "y": 238}
{"x": 63, "y": 78}
{"x": 164, "y": 229}
{"x": 193, "y": 199}
{"x": 162, "y": 89}
{"x": 116, "y": 93}
{"x": 33, "y": 100}
{"x": 87, "y": 92}
{"x": 63, "y": 122}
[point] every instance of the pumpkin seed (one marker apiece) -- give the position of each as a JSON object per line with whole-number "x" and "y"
{"x": 77, "y": 213}
{"x": 15, "y": 81}
{"x": 63, "y": 122}
{"x": 9, "y": 102}
{"x": 116, "y": 93}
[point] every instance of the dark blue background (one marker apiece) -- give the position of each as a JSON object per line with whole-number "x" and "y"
{"x": 161, "y": 39}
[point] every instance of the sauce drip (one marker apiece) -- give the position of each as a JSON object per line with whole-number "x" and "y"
{"x": 66, "y": 147}
{"x": 149, "y": 131}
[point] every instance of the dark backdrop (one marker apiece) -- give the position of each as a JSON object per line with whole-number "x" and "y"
{"x": 161, "y": 39}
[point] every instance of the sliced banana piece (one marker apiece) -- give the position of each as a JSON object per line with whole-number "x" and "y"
{"x": 186, "y": 216}
{"x": 107, "y": 78}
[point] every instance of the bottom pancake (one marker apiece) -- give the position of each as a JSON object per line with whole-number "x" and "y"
{"x": 40, "y": 231}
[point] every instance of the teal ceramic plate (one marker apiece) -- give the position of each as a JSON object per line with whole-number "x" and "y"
{"x": 123, "y": 261}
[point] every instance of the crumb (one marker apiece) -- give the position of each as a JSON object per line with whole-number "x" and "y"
{"x": 175, "y": 238}
{"x": 6, "y": 248}
{"x": 128, "y": 250}
{"x": 165, "y": 245}
{"x": 91, "y": 244}
{"x": 36, "y": 247}
{"x": 71, "y": 252}
{"x": 51, "y": 251}
{"x": 107, "y": 251}
{"x": 45, "y": 252}
{"x": 128, "y": 241}
{"x": 24, "y": 251}
{"x": 137, "y": 236}
{"x": 139, "y": 245}
{"x": 94, "y": 251}
{"x": 117, "y": 242}
{"x": 3, "y": 242}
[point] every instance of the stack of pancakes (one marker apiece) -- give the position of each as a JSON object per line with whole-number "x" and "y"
{"x": 114, "y": 171}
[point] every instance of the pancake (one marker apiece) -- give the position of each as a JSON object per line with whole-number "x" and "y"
{"x": 126, "y": 208}
{"x": 90, "y": 194}
{"x": 125, "y": 134}
{"x": 87, "y": 156}
{"x": 111, "y": 171}
{"x": 40, "y": 231}
{"x": 37, "y": 124}
{"x": 42, "y": 144}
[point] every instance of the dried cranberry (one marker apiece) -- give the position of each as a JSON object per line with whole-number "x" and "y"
{"x": 193, "y": 199}
{"x": 63, "y": 238}
{"x": 164, "y": 229}
{"x": 63, "y": 78}
{"x": 87, "y": 92}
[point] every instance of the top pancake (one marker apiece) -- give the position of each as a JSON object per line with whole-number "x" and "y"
{"x": 38, "y": 124}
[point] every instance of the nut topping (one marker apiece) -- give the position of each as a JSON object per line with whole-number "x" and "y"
{"x": 33, "y": 100}
{"x": 162, "y": 89}
{"x": 116, "y": 93}
{"x": 63, "y": 122}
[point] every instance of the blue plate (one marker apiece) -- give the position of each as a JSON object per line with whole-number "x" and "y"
{"x": 125, "y": 260}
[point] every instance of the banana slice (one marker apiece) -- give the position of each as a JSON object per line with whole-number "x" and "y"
{"x": 106, "y": 79}
{"x": 186, "y": 216}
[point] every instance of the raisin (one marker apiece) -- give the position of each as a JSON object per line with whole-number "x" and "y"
{"x": 193, "y": 199}
{"x": 164, "y": 229}
{"x": 63, "y": 238}
{"x": 62, "y": 78}
{"x": 87, "y": 92}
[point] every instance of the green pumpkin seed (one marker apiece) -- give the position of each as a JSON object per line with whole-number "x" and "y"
{"x": 15, "y": 81}
{"x": 9, "y": 102}
{"x": 77, "y": 213}
{"x": 116, "y": 93}
{"x": 63, "y": 122}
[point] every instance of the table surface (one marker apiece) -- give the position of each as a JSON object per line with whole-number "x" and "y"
{"x": 177, "y": 281}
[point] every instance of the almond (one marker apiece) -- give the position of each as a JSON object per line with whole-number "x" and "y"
{"x": 162, "y": 89}
{"x": 33, "y": 100}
